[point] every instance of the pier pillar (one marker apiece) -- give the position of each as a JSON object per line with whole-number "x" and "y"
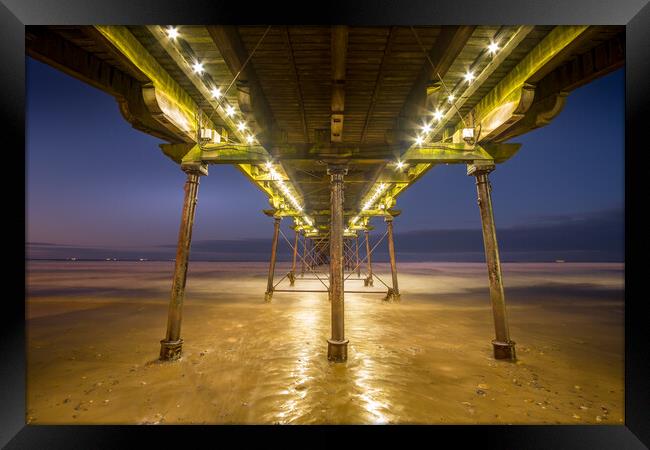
{"x": 368, "y": 280}
{"x": 292, "y": 273}
{"x": 393, "y": 294}
{"x": 171, "y": 346}
{"x": 304, "y": 255}
{"x": 504, "y": 348}
{"x": 274, "y": 247}
{"x": 337, "y": 348}
{"x": 358, "y": 265}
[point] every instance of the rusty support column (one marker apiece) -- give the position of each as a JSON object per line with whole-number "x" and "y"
{"x": 274, "y": 247}
{"x": 368, "y": 281}
{"x": 304, "y": 255}
{"x": 358, "y": 265}
{"x": 171, "y": 346}
{"x": 504, "y": 348}
{"x": 394, "y": 291}
{"x": 337, "y": 348}
{"x": 292, "y": 273}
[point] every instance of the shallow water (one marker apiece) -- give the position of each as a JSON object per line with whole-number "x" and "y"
{"x": 94, "y": 332}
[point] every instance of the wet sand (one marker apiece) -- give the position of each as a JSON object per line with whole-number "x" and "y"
{"x": 94, "y": 328}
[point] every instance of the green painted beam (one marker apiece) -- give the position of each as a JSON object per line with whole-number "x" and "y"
{"x": 506, "y": 98}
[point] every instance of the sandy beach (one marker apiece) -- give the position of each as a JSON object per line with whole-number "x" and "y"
{"x": 93, "y": 332}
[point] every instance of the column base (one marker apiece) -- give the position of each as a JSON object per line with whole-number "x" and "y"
{"x": 170, "y": 350}
{"x": 504, "y": 350}
{"x": 392, "y": 296}
{"x": 337, "y": 351}
{"x": 268, "y": 296}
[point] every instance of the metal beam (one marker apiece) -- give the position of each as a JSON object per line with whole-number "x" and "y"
{"x": 553, "y": 89}
{"x": 339, "y": 55}
{"x": 504, "y": 52}
{"x": 378, "y": 82}
{"x": 176, "y": 110}
{"x": 448, "y": 45}
{"x": 509, "y": 100}
{"x": 127, "y": 88}
{"x": 252, "y": 101}
{"x": 296, "y": 80}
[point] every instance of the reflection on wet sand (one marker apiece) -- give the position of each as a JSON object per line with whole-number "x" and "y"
{"x": 92, "y": 358}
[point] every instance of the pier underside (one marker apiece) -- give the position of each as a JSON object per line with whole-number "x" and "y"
{"x": 332, "y": 124}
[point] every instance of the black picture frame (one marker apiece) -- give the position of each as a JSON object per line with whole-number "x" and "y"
{"x": 634, "y": 14}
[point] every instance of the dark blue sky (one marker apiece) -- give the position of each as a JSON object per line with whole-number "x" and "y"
{"x": 92, "y": 180}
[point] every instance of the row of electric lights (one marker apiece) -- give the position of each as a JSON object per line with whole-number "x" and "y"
{"x": 217, "y": 94}
{"x": 285, "y": 190}
{"x": 275, "y": 176}
{"x": 469, "y": 76}
{"x": 197, "y": 67}
{"x": 371, "y": 201}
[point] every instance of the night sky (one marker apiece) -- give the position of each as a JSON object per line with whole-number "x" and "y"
{"x": 95, "y": 183}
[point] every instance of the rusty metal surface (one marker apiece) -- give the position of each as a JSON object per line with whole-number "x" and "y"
{"x": 171, "y": 346}
{"x": 504, "y": 348}
{"x": 337, "y": 345}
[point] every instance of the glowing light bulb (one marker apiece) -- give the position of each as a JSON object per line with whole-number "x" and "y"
{"x": 250, "y": 139}
{"x": 268, "y": 166}
{"x": 451, "y": 98}
{"x": 426, "y": 128}
{"x": 437, "y": 115}
{"x": 419, "y": 140}
{"x": 493, "y": 48}
{"x": 241, "y": 126}
{"x": 400, "y": 165}
{"x": 198, "y": 67}
{"x": 469, "y": 76}
{"x": 172, "y": 33}
{"x": 216, "y": 92}
{"x": 230, "y": 110}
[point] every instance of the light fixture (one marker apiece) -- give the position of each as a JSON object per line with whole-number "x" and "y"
{"x": 419, "y": 140}
{"x": 250, "y": 139}
{"x": 437, "y": 115}
{"x": 268, "y": 165}
{"x": 400, "y": 165}
{"x": 451, "y": 98}
{"x": 468, "y": 135}
{"x": 426, "y": 128}
{"x": 493, "y": 48}
{"x": 216, "y": 92}
{"x": 207, "y": 134}
{"x": 469, "y": 76}
{"x": 373, "y": 198}
{"x": 230, "y": 110}
{"x": 172, "y": 33}
{"x": 198, "y": 67}
{"x": 241, "y": 126}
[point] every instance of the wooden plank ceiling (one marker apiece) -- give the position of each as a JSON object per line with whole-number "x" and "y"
{"x": 372, "y": 79}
